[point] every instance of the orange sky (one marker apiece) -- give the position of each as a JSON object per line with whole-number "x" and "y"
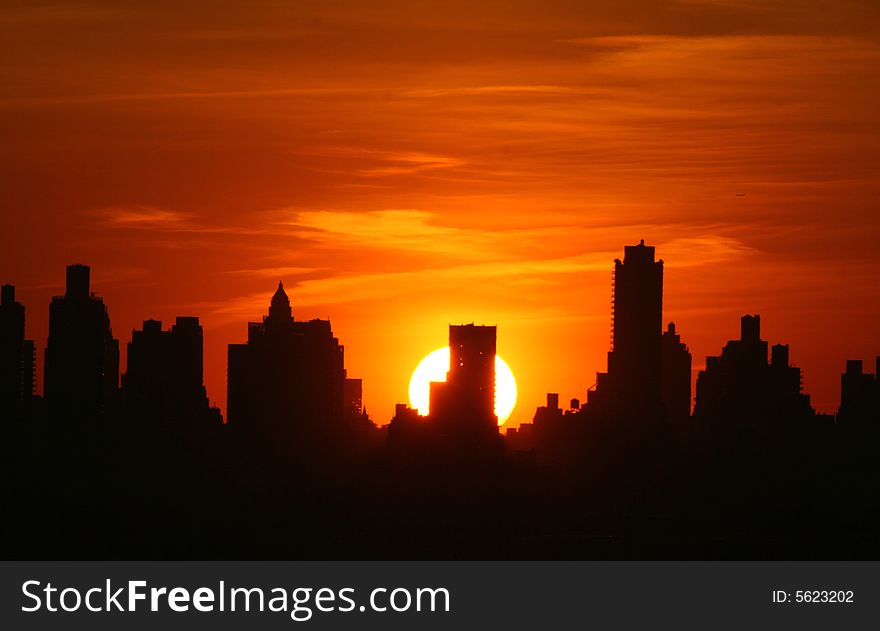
{"x": 406, "y": 165}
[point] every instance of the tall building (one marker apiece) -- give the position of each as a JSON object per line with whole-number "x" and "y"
{"x": 288, "y": 381}
{"x": 464, "y": 405}
{"x": 860, "y": 395}
{"x": 16, "y": 356}
{"x": 675, "y": 377}
{"x": 82, "y": 357}
{"x": 632, "y": 384}
{"x": 165, "y": 376}
{"x": 740, "y": 389}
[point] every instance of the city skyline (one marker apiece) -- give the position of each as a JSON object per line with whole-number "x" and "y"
{"x": 402, "y": 168}
{"x": 645, "y": 364}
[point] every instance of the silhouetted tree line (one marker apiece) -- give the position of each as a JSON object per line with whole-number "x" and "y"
{"x": 150, "y": 470}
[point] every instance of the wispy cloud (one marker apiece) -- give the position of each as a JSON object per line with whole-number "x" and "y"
{"x": 703, "y": 250}
{"x": 144, "y": 218}
{"x": 386, "y": 162}
{"x": 396, "y": 228}
{"x": 276, "y": 272}
{"x": 492, "y": 90}
{"x": 402, "y": 164}
{"x": 177, "y": 95}
{"x": 164, "y": 220}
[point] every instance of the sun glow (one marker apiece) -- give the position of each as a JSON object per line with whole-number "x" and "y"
{"x": 433, "y": 368}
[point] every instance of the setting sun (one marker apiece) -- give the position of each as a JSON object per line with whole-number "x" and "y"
{"x": 433, "y": 368}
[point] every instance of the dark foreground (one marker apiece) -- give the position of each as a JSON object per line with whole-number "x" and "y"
{"x": 134, "y": 494}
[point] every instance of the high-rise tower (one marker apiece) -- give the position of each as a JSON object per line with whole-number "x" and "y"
{"x": 287, "y": 383}
{"x": 16, "y": 356}
{"x": 465, "y": 403}
{"x": 164, "y": 379}
{"x": 633, "y": 381}
{"x": 634, "y": 359}
{"x": 82, "y": 357}
{"x": 741, "y": 392}
{"x": 860, "y": 395}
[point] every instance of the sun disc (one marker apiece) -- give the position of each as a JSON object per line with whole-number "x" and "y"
{"x": 433, "y": 368}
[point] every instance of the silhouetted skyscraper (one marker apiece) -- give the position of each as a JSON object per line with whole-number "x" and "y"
{"x": 288, "y": 380}
{"x": 16, "y": 356}
{"x": 464, "y": 405}
{"x": 633, "y": 382}
{"x": 675, "y": 376}
{"x": 740, "y": 390}
{"x": 859, "y": 395}
{"x": 164, "y": 379}
{"x": 736, "y": 377}
{"x": 82, "y": 357}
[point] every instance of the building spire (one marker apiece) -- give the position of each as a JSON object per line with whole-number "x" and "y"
{"x": 280, "y": 293}
{"x": 279, "y": 309}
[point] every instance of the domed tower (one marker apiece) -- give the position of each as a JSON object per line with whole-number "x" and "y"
{"x": 287, "y": 382}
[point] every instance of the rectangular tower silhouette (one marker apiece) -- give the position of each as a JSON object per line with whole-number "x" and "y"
{"x": 164, "y": 378}
{"x": 741, "y": 393}
{"x": 464, "y": 405}
{"x": 82, "y": 357}
{"x": 634, "y": 359}
{"x": 633, "y": 383}
{"x": 16, "y": 356}
{"x": 859, "y": 395}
